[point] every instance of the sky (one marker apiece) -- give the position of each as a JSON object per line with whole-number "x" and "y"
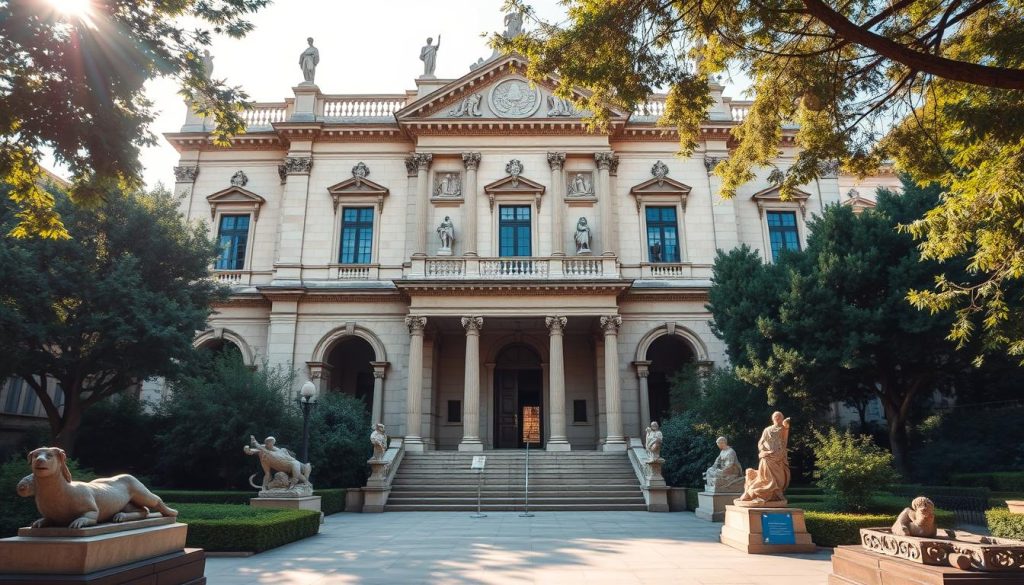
{"x": 365, "y": 47}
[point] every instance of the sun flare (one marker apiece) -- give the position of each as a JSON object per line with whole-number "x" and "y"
{"x": 72, "y": 8}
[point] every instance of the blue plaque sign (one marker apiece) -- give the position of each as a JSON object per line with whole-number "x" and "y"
{"x": 777, "y": 528}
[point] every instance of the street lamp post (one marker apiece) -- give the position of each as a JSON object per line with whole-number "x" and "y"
{"x": 307, "y": 400}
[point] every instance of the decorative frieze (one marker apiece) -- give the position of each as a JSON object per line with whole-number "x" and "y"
{"x": 471, "y": 160}
{"x": 186, "y": 173}
{"x": 556, "y": 160}
{"x": 298, "y": 165}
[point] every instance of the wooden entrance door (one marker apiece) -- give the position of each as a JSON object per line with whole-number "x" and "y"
{"x": 518, "y": 407}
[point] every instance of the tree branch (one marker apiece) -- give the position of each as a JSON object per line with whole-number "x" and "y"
{"x": 972, "y": 73}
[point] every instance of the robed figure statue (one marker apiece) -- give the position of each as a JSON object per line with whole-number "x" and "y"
{"x": 766, "y": 485}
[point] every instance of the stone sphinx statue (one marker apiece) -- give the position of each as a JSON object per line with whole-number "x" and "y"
{"x": 917, "y": 520}
{"x": 78, "y": 504}
{"x": 725, "y": 475}
{"x": 379, "y": 440}
{"x": 766, "y": 485}
{"x": 276, "y": 461}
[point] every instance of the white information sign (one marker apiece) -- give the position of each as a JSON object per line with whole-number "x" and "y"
{"x": 479, "y": 461}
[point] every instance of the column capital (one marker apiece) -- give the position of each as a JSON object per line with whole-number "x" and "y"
{"x": 610, "y": 324}
{"x": 473, "y": 324}
{"x": 556, "y": 160}
{"x": 471, "y": 160}
{"x": 416, "y": 324}
{"x": 643, "y": 368}
{"x": 710, "y": 162}
{"x": 186, "y": 173}
{"x": 555, "y": 324}
{"x": 604, "y": 160}
{"x": 380, "y": 368}
{"x": 298, "y": 165}
{"x": 422, "y": 160}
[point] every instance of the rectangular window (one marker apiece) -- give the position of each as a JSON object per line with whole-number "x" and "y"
{"x": 782, "y": 232}
{"x": 579, "y": 411}
{"x": 356, "y": 235}
{"x": 14, "y": 390}
{"x": 454, "y": 411}
{"x": 662, "y": 234}
{"x": 29, "y": 406}
{"x": 514, "y": 230}
{"x": 232, "y": 238}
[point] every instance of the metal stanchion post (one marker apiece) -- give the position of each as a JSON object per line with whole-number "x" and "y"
{"x": 479, "y": 463}
{"x": 526, "y": 511}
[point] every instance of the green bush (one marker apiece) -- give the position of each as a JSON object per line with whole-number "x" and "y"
{"x": 206, "y": 496}
{"x": 118, "y": 436}
{"x": 984, "y": 440}
{"x": 1000, "y": 481}
{"x": 1004, "y": 524}
{"x": 946, "y": 497}
{"x": 226, "y": 527}
{"x": 691, "y": 499}
{"x": 332, "y": 501}
{"x": 836, "y": 528}
{"x": 339, "y": 445}
{"x": 16, "y": 511}
{"x": 850, "y": 468}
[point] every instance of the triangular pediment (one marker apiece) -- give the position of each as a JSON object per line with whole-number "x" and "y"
{"x": 773, "y": 194}
{"x": 512, "y": 184}
{"x": 661, "y": 186}
{"x": 236, "y": 198}
{"x": 357, "y": 186}
{"x": 498, "y": 90}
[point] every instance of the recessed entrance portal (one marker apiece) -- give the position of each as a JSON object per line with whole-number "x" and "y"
{"x": 351, "y": 372}
{"x": 518, "y": 398}
{"x": 668, "y": 354}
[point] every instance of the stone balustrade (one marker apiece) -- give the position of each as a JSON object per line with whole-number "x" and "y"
{"x": 362, "y": 106}
{"x": 654, "y": 107}
{"x": 265, "y": 115}
{"x": 517, "y": 268}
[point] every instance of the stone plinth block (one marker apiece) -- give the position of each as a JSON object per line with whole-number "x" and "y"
{"x": 303, "y": 503}
{"x": 743, "y": 531}
{"x": 852, "y": 565}
{"x": 711, "y": 506}
{"x": 185, "y": 567}
{"x": 1015, "y": 506}
{"x": 79, "y": 555}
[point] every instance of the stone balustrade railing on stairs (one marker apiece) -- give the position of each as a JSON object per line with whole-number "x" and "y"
{"x": 651, "y": 481}
{"x": 378, "y": 486}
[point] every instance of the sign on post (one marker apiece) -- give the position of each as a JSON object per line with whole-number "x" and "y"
{"x": 479, "y": 461}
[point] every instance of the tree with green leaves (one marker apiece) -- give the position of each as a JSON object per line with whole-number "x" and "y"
{"x": 937, "y": 86}
{"x": 834, "y": 324}
{"x": 116, "y": 303}
{"x": 72, "y": 83}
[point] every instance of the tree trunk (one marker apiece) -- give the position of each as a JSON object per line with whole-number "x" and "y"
{"x": 896, "y": 419}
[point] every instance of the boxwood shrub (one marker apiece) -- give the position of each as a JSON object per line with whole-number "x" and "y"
{"x": 834, "y": 529}
{"x": 947, "y": 497}
{"x": 206, "y": 496}
{"x": 332, "y": 500}
{"x": 228, "y": 527}
{"x": 999, "y": 481}
{"x": 692, "y": 499}
{"x": 1005, "y": 524}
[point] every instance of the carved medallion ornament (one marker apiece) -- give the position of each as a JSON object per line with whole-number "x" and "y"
{"x": 514, "y": 168}
{"x": 659, "y": 171}
{"x": 239, "y": 179}
{"x": 361, "y": 171}
{"x": 298, "y": 165}
{"x": 514, "y": 98}
{"x": 186, "y": 174}
{"x": 448, "y": 185}
{"x": 471, "y": 160}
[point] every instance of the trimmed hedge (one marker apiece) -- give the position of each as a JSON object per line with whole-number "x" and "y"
{"x": 834, "y": 529}
{"x": 206, "y": 496}
{"x": 947, "y": 497}
{"x": 999, "y": 481}
{"x": 1004, "y": 524}
{"x": 692, "y": 499}
{"x": 332, "y": 500}
{"x": 228, "y": 527}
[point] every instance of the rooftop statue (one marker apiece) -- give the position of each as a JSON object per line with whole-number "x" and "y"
{"x": 278, "y": 459}
{"x": 78, "y": 504}
{"x": 308, "y": 61}
{"x": 766, "y": 485}
{"x": 428, "y": 54}
{"x": 513, "y": 25}
{"x": 725, "y": 475}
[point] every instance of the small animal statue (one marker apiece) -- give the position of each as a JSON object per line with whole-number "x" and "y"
{"x": 917, "y": 520}
{"x": 77, "y": 504}
{"x": 273, "y": 458}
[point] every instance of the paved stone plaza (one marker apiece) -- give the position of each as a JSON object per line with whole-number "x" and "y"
{"x": 621, "y": 548}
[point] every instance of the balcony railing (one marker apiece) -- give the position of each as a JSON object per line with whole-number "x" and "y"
{"x": 362, "y": 106}
{"x": 654, "y": 107}
{"x": 265, "y": 115}
{"x": 518, "y": 268}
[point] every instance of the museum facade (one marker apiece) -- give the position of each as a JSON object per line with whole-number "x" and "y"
{"x": 473, "y": 262}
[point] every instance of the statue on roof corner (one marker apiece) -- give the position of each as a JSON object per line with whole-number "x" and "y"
{"x": 308, "y": 61}
{"x": 428, "y": 54}
{"x": 513, "y": 25}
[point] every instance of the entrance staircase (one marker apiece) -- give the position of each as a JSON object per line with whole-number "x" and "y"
{"x": 442, "y": 481}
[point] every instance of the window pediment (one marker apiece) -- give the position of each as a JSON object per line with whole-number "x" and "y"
{"x": 358, "y": 190}
{"x": 236, "y": 199}
{"x": 772, "y": 196}
{"x": 662, "y": 190}
{"x": 514, "y": 185}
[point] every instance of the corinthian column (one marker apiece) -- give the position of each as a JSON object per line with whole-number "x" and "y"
{"x": 606, "y": 202}
{"x": 556, "y": 384}
{"x": 422, "y": 161}
{"x": 471, "y": 387}
{"x": 414, "y": 395}
{"x": 472, "y": 162}
{"x": 556, "y": 160}
{"x": 615, "y": 440}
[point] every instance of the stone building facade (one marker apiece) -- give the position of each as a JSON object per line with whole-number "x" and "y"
{"x": 473, "y": 262}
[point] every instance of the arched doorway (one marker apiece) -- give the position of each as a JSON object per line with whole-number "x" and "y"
{"x": 518, "y": 398}
{"x": 350, "y": 369}
{"x": 220, "y": 348}
{"x": 667, "y": 354}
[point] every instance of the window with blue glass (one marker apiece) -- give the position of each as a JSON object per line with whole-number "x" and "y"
{"x": 662, "y": 234}
{"x": 232, "y": 238}
{"x": 356, "y": 235}
{"x": 514, "y": 230}
{"x": 782, "y": 232}
{"x": 13, "y": 399}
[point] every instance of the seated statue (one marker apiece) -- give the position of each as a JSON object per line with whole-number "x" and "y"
{"x": 917, "y": 520}
{"x": 278, "y": 459}
{"x": 725, "y": 475}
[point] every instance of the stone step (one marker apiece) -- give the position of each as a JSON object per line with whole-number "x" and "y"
{"x": 562, "y": 507}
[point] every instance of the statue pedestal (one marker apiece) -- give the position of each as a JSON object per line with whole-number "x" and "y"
{"x": 852, "y": 565}
{"x": 766, "y": 530}
{"x": 129, "y": 552}
{"x": 711, "y": 505}
{"x": 302, "y": 503}
{"x": 444, "y": 252}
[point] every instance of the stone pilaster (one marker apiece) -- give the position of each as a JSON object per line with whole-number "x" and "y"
{"x": 614, "y": 440}
{"x": 471, "y": 386}
{"x": 557, "y": 440}
{"x": 556, "y": 160}
{"x": 377, "y": 410}
{"x": 422, "y": 161}
{"x": 291, "y": 229}
{"x": 414, "y": 394}
{"x": 472, "y": 162}
{"x": 606, "y": 202}
{"x": 643, "y": 369}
